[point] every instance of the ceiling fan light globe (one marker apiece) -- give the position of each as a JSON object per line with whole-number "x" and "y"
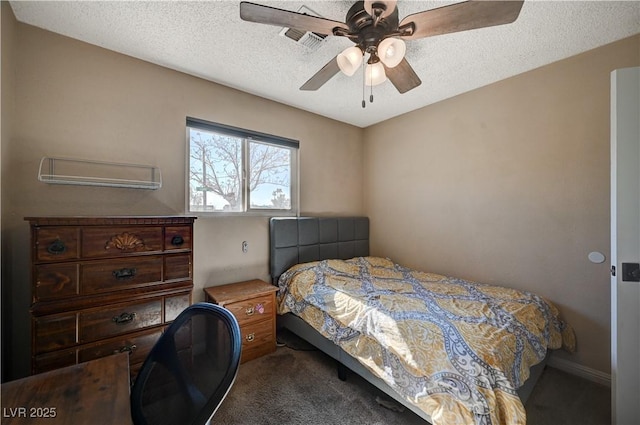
{"x": 374, "y": 74}
{"x": 391, "y": 51}
{"x": 389, "y": 7}
{"x": 349, "y": 60}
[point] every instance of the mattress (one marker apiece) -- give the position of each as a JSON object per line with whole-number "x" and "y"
{"x": 455, "y": 349}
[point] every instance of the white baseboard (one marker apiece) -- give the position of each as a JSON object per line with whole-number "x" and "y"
{"x": 581, "y": 371}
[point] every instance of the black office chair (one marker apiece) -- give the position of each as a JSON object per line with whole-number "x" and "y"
{"x": 190, "y": 369}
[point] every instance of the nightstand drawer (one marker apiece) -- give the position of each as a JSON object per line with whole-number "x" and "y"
{"x": 252, "y": 302}
{"x": 252, "y": 310}
{"x": 258, "y": 339}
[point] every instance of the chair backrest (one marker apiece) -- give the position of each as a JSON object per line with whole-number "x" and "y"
{"x": 190, "y": 369}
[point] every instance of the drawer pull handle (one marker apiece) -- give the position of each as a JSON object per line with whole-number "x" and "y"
{"x": 126, "y": 349}
{"x": 57, "y": 247}
{"x": 177, "y": 240}
{"x": 124, "y": 318}
{"x": 123, "y": 274}
{"x": 250, "y": 337}
{"x": 249, "y": 311}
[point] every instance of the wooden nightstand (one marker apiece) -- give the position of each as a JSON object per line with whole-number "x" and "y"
{"x": 253, "y": 303}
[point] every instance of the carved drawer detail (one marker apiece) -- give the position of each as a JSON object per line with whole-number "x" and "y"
{"x": 126, "y": 242}
{"x": 114, "y": 242}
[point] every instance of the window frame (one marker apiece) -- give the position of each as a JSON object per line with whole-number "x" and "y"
{"x": 247, "y": 137}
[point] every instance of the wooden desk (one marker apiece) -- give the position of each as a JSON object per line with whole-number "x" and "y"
{"x": 95, "y": 392}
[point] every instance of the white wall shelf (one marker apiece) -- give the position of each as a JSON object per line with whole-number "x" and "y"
{"x": 98, "y": 173}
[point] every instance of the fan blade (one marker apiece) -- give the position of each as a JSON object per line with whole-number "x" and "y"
{"x": 463, "y": 16}
{"x": 283, "y": 18}
{"x": 322, "y": 76}
{"x": 403, "y": 77}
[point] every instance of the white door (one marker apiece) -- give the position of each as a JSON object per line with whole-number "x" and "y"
{"x": 625, "y": 246}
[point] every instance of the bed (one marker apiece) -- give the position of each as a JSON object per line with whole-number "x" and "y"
{"x": 419, "y": 337}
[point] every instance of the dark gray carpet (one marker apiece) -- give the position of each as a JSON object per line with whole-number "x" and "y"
{"x": 299, "y": 385}
{"x": 560, "y": 398}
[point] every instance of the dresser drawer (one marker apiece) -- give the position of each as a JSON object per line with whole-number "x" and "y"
{"x": 253, "y": 309}
{"x": 174, "y": 305}
{"x": 56, "y": 243}
{"x": 116, "y": 241}
{"x": 138, "y": 346}
{"x": 258, "y": 339}
{"x": 118, "y": 274}
{"x": 118, "y": 319}
{"x": 55, "y": 360}
{"x": 54, "y": 332}
{"x": 54, "y": 281}
{"x": 177, "y": 237}
{"x": 177, "y": 267}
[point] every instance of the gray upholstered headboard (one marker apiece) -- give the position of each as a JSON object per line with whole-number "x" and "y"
{"x": 294, "y": 240}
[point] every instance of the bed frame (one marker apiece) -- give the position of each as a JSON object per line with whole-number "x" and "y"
{"x": 294, "y": 240}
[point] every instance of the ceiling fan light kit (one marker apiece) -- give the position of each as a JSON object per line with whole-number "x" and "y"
{"x": 350, "y": 60}
{"x": 374, "y": 74}
{"x": 380, "y": 8}
{"x": 391, "y": 51}
{"x": 373, "y": 26}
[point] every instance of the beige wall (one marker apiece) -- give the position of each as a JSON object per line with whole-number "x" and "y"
{"x": 508, "y": 184}
{"x": 80, "y": 101}
{"x": 7, "y": 83}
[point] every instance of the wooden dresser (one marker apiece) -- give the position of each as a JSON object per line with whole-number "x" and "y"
{"x": 253, "y": 303}
{"x": 104, "y": 285}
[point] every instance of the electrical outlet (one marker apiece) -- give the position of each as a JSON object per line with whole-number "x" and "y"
{"x": 245, "y": 246}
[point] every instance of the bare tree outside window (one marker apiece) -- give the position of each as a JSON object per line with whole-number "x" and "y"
{"x": 215, "y": 169}
{"x": 232, "y": 174}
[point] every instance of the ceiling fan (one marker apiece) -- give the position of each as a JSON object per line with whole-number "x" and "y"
{"x": 374, "y": 27}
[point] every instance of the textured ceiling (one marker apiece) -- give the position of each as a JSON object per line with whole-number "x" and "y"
{"x": 209, "y": 40}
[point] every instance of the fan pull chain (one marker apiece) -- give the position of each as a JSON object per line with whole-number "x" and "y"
{"x": 371, "y": 93}
{"x": 364, "y": 80}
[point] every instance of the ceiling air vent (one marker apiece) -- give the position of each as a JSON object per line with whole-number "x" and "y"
{"x": 310, "y": 40}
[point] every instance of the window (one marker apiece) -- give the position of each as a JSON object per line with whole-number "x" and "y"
{"x": 232, "y": 170}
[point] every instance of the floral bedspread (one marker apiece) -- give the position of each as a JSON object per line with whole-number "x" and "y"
{"x": 458, "y": 350}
